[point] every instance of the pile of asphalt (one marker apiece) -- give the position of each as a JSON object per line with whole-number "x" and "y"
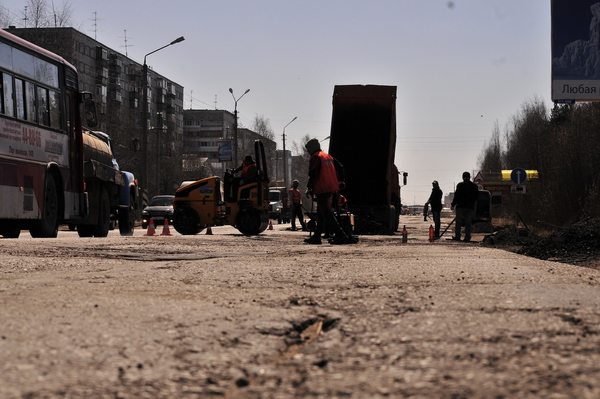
{"x": 578, "y": 243}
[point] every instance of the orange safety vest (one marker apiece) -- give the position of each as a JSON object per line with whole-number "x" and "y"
{"x": 341, "y": 202}
{"x": 296, "y": 195}
{"x": 327, "y": 181}
{"x": 245, "y": 169}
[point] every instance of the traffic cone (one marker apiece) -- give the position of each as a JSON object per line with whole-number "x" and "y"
{"x": 166, "y": 231}
{"x": 431, "y": 234}
{"x": 270, "y": 225}
{"x": 151, "y": 230}
{"x": 404, "y": 235}
{"x": 209, "y": 231}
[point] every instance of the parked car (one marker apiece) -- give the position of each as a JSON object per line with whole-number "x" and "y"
{"x": 159, "y": 209}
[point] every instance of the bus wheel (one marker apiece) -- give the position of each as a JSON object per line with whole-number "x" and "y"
{"x": 101, "y": 229}
{"x": 48, "y": 225}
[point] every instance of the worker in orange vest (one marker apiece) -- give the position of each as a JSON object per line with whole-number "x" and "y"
{"x": 325, "y": 177}
{"x": 248, "y": 175}
{"x": 296, "y": 200}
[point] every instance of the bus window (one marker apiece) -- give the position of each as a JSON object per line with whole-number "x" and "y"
{"x": 54, "y": 109}
{"x": 19, "y": 99}
{"x": 5, "y": 56}
{"x": 1, "y": 93}
{"x": 30, "y": 101}
{"x": 42, "y": 106}
{"x": 7, "y": 91}
{"x": 23, "y": 63}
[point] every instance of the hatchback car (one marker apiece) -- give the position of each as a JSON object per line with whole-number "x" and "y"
{"x": 159, "y": 209}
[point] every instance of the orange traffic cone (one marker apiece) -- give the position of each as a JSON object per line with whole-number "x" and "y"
{"x": 151, "y": 230}
{"x": 431, "y": 234}
{"x": 166, "y": 231}
{"x": 404, "y": 235}
{"x": 209, "y": 231}
{"x": 270, "y": 225}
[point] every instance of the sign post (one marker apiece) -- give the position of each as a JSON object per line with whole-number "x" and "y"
{"x": 518, "y": 176}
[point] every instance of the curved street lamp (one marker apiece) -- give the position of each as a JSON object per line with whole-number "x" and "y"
{"x": 285, "y": 177}
{"x": 145, "y": 180}
{"x": 235, "y": 126}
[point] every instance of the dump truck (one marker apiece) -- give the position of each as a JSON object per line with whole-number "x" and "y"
{"x": 363, "y": 139}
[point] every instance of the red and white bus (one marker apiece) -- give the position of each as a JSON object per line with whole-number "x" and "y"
{"x": 42, "y": 182}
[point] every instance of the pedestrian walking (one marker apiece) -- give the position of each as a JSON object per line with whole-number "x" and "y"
{"x": 465, "y": 199}
{"x": 435, "y": 203}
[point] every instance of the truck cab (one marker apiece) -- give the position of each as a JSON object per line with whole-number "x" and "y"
{"x": 279, "y": 208}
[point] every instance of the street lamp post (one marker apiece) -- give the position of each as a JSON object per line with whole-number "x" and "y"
{"x": 145, "y": 181}
{"x": 235, "y": 126}
{"x": 285, "y": 179}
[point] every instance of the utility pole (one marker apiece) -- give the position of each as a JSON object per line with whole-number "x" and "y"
{"x": 285, "y": 177}
{"x": 235, "y": 126}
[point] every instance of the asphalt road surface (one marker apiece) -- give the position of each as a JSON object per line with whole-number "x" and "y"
{"x": 225, "y": 315}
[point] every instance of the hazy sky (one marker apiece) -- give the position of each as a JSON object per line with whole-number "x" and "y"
{"x": 460, "y": 66}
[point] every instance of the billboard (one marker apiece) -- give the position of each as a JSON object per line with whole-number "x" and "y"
{"x": 575, "y": 50}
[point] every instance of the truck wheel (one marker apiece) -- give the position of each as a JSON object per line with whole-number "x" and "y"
{"x": 251, "y": 221}
{"x": 101, "y": 229}
{"x": 48, "y": 225}
{"x": 127, "y": 221}
{"x": 10, "y": 231}
{"x": 85, "y": 230}
{"x": 186, "y": 221}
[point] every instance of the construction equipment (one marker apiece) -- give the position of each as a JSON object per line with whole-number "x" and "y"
{"x": 447, "y": 227}
{"x": 213, "y": 202}
{"x": 363, "y": 139}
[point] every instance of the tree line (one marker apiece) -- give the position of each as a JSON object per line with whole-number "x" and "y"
{"x": 563, "y": 145}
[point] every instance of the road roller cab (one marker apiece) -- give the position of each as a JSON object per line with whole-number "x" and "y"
{"x": 215, "y": 202}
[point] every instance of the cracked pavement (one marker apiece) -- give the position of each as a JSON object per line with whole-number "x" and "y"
{"x": 232, "y": 316}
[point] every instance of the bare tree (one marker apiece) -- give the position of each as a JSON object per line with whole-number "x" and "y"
{"x": 262, "y": 126}
{"x": 490, "y": 159}
{"x": 5, "y": 17}
{"x": 41, "y": 14}
{"x": 35, "y": 14}
{"x": 63, "y": 16}
{"x": 564, "y": 148}
{"x": 298, "y": 147}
